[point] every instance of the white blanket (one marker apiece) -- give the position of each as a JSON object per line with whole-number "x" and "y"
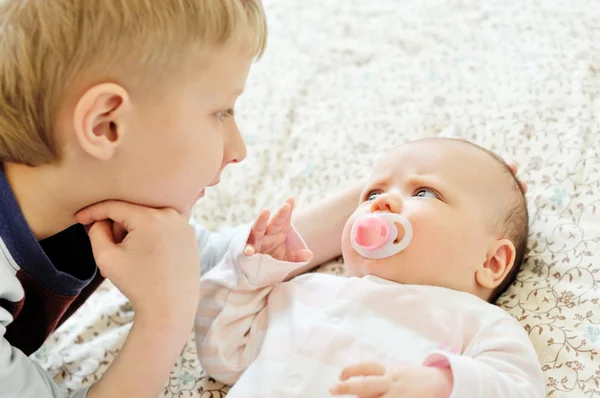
{"x": 342, "y": 81}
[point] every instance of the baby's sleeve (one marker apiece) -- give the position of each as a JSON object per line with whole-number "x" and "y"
{"x": 232, "y": 315}
{"x": 500, "y": 362}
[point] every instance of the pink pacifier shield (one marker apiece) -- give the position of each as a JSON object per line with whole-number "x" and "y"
{"x": 375, "y": 235}
{"x": 371, "y": 232}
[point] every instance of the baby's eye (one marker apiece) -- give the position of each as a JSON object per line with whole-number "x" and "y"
{"x": 372, "y": 195}
{"x": 426, "y": 193}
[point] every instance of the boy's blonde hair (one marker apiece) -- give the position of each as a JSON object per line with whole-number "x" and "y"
{"x": 49, "y": 46}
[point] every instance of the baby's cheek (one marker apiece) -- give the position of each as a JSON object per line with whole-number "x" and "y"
{"x": 347, "y": 249}
{"x": 432, "y": 237}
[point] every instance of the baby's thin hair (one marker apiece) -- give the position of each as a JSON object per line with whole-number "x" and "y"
{"x": 514, "y": 224}
{"x": 49, "y": 46}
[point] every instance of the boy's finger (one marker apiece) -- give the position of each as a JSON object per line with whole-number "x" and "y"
{"x": 123, "y": 213}
{"x": 118, "y": 232}
{"x": 103, "y": 243}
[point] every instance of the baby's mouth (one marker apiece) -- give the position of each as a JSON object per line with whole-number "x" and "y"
{"x": 380, "y": 234}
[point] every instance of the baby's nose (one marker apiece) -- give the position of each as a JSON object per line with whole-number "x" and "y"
{"x": 387, "y": 203}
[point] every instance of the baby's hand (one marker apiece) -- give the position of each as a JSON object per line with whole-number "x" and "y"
{"x": 373, "y": 379}
{"x": 272, "y": 236}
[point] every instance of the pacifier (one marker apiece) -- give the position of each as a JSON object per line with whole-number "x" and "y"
{"x": 374, "y": 235}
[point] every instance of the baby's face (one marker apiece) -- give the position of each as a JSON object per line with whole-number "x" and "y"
{"x": 447, "y": 190}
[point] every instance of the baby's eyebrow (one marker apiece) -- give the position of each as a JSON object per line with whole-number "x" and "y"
{"x": 378, "y": 182}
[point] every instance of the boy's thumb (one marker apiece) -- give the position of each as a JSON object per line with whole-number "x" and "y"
{"x": 103, "y": 244}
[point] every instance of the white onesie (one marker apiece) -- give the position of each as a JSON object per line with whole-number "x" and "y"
{"x": 291, "y": 339}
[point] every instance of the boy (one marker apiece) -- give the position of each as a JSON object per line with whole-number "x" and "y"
{"x": 128, "y": 100}
{"x": 414, "y": 319}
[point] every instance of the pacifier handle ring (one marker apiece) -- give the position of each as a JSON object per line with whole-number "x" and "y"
{"x": 408, "y": 234}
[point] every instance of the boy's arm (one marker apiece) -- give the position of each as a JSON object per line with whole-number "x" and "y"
{"x": 157, "y": 266}
{"x": 20, "y": 377}
{"x": 501, "y": 362}
{"x": 232, "y": 315}
{"x": 147, "y": 356}
{"x": 214, "y": 245}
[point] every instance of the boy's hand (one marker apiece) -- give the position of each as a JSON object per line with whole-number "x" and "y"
{"x": 373, "y": 379}
{"x": 155, "y": 263}
{"x": 272, "y": 236}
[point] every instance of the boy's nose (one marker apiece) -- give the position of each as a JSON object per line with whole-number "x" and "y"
{"x": 236, "y": 147}
{"x": 387, "y": 203}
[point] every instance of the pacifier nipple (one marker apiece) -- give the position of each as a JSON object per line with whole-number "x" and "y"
{"x": 377, "y": 235}
{"x": 371, "y": 232}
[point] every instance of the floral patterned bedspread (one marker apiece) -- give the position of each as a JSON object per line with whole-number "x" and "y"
{"x": 342, "y": 81}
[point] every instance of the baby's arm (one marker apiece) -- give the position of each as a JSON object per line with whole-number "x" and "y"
{"x": 324, "y": 237}
{"x": 232, "y": 315}
{"x": 501, "y": 362}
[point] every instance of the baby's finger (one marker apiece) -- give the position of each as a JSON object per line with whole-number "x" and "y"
{"x": 370, "y": 385}
{"x": 279, "y": 219}
{"x": 524, "y": 186}
{"x": 291, "y": 202}
{"x": 299, "y": 256}
{"x": 279, "y": 253}
{"x": 514, "y": 168}
{"x": 249, "y": 250}
{"x": 260, "y": 225}
{"x": 363, "y": 369}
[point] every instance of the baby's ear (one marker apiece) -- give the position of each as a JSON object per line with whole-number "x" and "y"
{"x": 499, "y": 261}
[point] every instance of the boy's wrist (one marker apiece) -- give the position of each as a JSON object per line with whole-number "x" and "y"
{"x": 161, "y": 322}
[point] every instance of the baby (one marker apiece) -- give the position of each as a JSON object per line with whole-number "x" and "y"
{"x": 439, "y": 234}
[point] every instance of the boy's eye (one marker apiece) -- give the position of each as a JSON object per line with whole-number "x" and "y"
{"x": 221, "y": 115}
{"x": 426, "y": 193}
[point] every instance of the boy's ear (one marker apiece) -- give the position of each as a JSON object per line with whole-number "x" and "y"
{"x": 499, "y": 261}
{"x": 98, "y": 119}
